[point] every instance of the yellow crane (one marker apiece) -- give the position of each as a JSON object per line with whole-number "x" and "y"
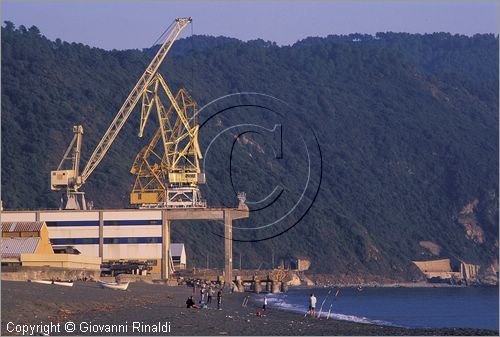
{"x": 168, "y": 175}
{"x": 70, "y": 179}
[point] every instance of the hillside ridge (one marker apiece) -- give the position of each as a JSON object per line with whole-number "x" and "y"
{"x": 407, "y": 125}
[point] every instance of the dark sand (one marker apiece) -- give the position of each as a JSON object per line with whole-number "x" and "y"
{"x": 29, "y": 303}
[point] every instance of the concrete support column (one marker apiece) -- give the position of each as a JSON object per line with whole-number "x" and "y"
{"x": 165, "y": 245}
{"x": 257, "y": 287}
{"x": 269, "y": 285}
{"x": 37, "y": 216}
{"x": 101, "y": 235}
{"x": 228, "y": 248}
{"x": 275, "y": 287}
{"x": 239, "y": 284}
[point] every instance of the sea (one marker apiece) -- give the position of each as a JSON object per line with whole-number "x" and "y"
{"x": 439, "y": 307}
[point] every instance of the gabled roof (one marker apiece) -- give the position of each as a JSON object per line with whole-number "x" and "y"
{"x": 14, "y": 247}
{"x": 31, "y": 226}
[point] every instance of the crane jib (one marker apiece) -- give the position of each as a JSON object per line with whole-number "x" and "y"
{"x": 132, "y": 100}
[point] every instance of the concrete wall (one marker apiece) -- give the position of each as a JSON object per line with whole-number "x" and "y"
{"x": 21, "y": 273}
{"x": 443, "y": 275}
{"x": 61, "y": 261}
{"x": 470, "y": 271}
{"x": 434, "y": 266}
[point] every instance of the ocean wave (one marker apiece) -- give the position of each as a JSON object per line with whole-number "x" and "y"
{"x": 279, "y": 301}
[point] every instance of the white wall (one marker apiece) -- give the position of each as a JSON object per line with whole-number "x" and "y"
{"x": 132, "y": 214}
{"x": 132, "y": 251}
{"x": 17, "y": 216}
{"x": 88, "y": 250}
{"x": 69, "y": 216}
{"x": 131, "y": 231}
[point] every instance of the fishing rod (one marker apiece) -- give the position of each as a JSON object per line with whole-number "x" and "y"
{"x": 323, "y": 303}
{"x": 329, "y": 311}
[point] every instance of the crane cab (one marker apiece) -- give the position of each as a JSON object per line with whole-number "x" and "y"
{"x": 62, "y": 179}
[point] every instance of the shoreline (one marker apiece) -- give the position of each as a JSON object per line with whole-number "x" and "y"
{"x": 392, "y": 285}
{"x": 30, "y": 303}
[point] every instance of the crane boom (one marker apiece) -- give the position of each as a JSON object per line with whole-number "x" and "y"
{"x": 132, "y": 100}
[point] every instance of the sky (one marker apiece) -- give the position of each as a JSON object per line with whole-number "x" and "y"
{"x": 137, "y": 24}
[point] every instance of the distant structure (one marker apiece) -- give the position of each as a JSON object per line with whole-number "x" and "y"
{"x": 178, "y": 253}
{"x": 441, "y": 271}
{"x": 300, "y": 263}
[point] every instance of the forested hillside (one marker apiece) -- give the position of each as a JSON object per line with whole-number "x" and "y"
{"x": 407, "y": 127}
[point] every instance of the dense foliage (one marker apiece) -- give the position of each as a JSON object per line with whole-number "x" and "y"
{"x": 407, "y": 125}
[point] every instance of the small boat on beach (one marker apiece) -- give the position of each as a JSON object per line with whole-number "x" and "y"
{"x": 64, "y": 283}
{"x": 58, "y": 283}
{"x": 114, "y": 285}
{"x": 40, "y": 281}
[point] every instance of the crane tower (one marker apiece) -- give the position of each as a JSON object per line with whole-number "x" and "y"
{"x": 168, "y": 169}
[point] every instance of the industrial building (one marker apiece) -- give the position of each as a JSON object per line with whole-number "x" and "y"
{"x": 27, "y": 253}
{"x": 127, "y": 235}
{"x": 442, "y": 271}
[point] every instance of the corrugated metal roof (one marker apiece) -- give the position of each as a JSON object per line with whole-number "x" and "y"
{"x": 31, "y": 226}
{"x": 14, "y": 247}
{"x": 176, "y": 249}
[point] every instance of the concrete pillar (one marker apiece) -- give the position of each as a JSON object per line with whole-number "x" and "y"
{"x": 165, "y": 245}
{"x": 241, "y": 286}
{"x": 228, "y": 247}
{"x": 275, "y": 287}
{"x": 37, "y": 216}
{"x": 257, "y": 287}
{"x": 101, "y": 235}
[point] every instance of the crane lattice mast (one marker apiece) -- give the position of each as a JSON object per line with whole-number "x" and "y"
{"x": 168, "y": 175}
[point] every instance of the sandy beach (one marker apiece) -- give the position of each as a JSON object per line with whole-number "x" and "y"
{"x": 146, "y": 307}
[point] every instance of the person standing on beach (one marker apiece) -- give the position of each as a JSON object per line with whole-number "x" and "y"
{"x": 312, "y": 305}
{"x": 210, "y": 294}
{"x": 202, "y": 294}
{"x": 264, "y": 307}
{"x": 219, "y": 300}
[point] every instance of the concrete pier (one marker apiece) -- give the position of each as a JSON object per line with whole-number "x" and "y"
{"x": 102, "y": 232}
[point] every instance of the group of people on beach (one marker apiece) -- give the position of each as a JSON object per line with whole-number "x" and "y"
{"x": 207, "y": 292}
